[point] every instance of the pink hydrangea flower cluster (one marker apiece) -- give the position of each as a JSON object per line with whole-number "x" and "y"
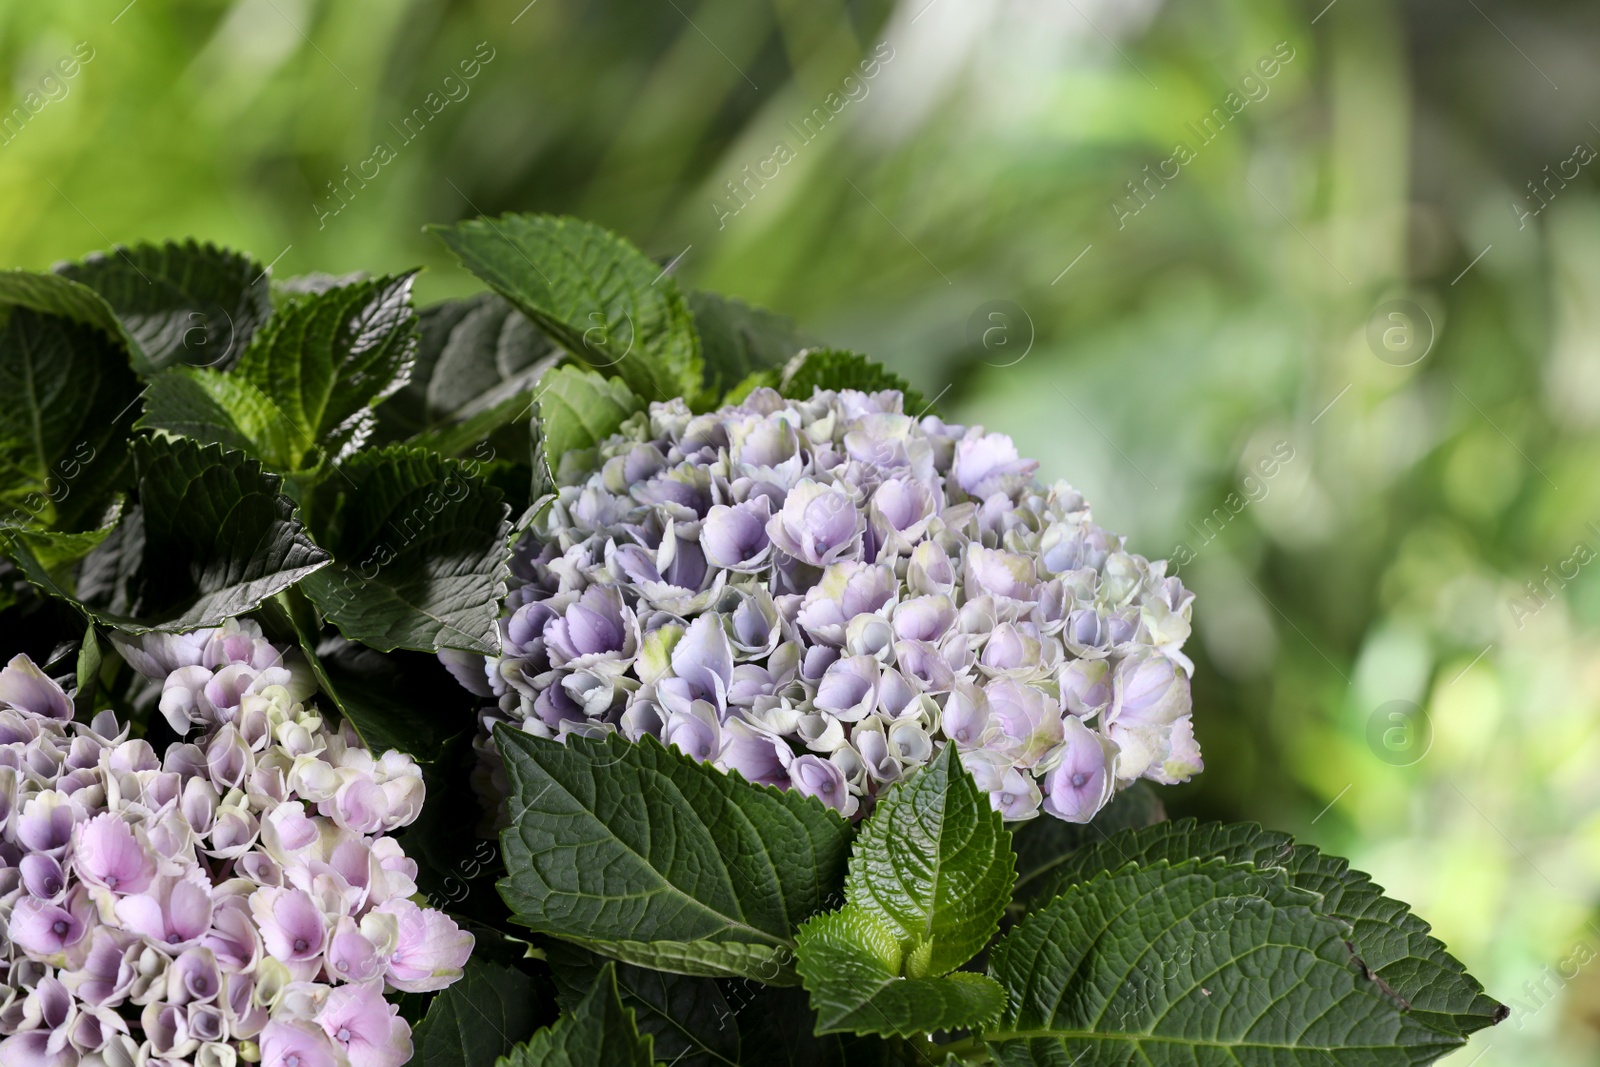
{"x": 822, "y": 593}
{"x": 233, "y": 899}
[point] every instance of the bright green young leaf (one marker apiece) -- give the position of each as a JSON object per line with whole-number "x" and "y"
{"x": 832, "y": 368}
{"x": 691, "y": 1021}
{"x": 600, "y": 298}
{"x": 578, "y": 409}
{"x": 1042, "y": 845}
{"x": 934, "y": 865}
{"x": 1203, "y": 964}
{"x": 420, "y": 551}
{"x": 211, "y": 539}
{"x": 326, "y": 358}
{"x": 87, "y": 670}
{"x": 737, "y": 340}
{"x": 598, "y": 1033}
{"x": 215, "y": 407}
{"x": 851, "y": 965}
{"x": 70, "y": 402}
{"x": 478, "y": 1019}
{"x": 741, "y": 390}
{"x": 930, "y": 875}
{"x": 1388, "y": 938}
{"x": 182, "y": 302}
{"x": 613, "y": 843}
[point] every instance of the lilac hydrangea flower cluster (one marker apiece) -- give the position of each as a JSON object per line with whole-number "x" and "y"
{"x": 235, "y": 899}
{"x": 820, "y": 594}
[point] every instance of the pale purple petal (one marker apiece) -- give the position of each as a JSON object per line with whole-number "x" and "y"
{"x": 431, "y": 949}
{"x": 704, "y": 659}
{"x": 735, "y": 538}
{"x": 813, "y": 776}
{"x": 296, "y": 1044}
{"x": 1082, "y": 782}
{"x": 988, "y": 463}
{"x": 109, "y": 855}
{"x": 365, "y": 1027}
{"x": 34, "y": 1049}
{"x": 44, "y": 929}
{"x": 27, "y": 688}
{"x": 292, "y": 928}
{"x": 1149, "y": 691}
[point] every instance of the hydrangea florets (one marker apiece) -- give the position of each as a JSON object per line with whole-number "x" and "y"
{"x": 820, "y": 594}
{"x": 236, "y": 898}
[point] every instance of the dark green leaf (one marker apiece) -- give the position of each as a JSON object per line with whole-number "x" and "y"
{"x": 420, "y": 551}
{"x": 214, "y": 407}
{"x": 58, "y": 553}
{"x": 471, "y": 437}
{"x": 108, "y": 576}
{"x": 477, "y": 1020}
{"x": 361, "y": 684}
{"x": 614, "y": 843}
{"x": 34, "y": 624}
{"x": 690, "y": 1020}
{"x": 285, "y": 291}
{"x": 599, "y": 1033}
{"x": 471, "y": 355}
{"x": 53, "y": 294}
{"x": 832, "y": 368}
{"x": 1204, "y": 963}
{"x": 777, "y": 1029}
{"x": 706, "y": 959}
{"x": 326, "y": 358}
{"x": 578, "y": 409}
{"x": 183, "y": 303}
{"x": 599, "y": 297}
{"x": 211, "y": 539}
{"x": 1390, "y": 940}
{"x": 933, "y": 864}
{"x": 737, "y": 340}
{"x": 1043, "y": 844}
{"x": 219, "y": 537}
{"x": 851, "y": 965}
{"x": 471, "y": 394}
{"x": 70, "y": 402}
{"x": 541, "y": 479}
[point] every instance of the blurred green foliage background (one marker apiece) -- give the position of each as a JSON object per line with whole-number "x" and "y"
{"x": 990, "y": 196}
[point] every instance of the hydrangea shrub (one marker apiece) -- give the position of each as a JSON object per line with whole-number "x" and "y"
{"x": 240, "y": 893}
{"x": 821, "y": 593}
{"x": 589, "y": 672}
